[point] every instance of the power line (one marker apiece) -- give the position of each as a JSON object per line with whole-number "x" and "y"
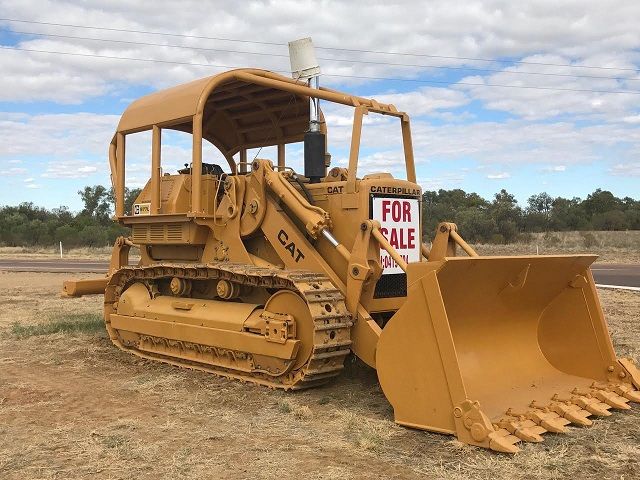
{"x": 446, "y": 67}
{"x": 354, "y": 50}
{"x": 414, "y": 80}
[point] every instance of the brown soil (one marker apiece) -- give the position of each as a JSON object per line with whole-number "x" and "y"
{"x": 73, "y": 406}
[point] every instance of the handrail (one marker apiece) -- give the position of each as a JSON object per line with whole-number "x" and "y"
{"x": 425, "y": 250}
{"x": 462, "y": 244}
{"x": 382, "y": 241}
{"x": 375, "y": 231}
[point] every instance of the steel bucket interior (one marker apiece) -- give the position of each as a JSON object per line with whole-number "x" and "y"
{"x": 524, "y": 328}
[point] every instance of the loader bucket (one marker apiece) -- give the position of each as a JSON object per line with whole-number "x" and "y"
{"x": 501, "y": 349}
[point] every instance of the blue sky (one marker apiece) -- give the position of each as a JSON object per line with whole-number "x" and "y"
{"x": 554, "y": 124}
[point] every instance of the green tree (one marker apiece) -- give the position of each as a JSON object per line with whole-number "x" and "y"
{"x": 93, "y": 236}
{"x": 568, "y": 214}
{"x": 537, "y": 215}
{"x": 611, "y": 220}
{"x": 96, "y": 202}
{"x": 475, "y": 225}
{"x": 507, "y": 215}
{"x": 601, "y": 201}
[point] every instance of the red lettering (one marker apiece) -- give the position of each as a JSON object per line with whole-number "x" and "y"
{"x": 406, "y": 212}
{"x": 385, "y": 209}
{"x": 411, "y": 238}
{"x": 384, "y": 232}
{"x": 394, "y": 238}
{"x": 395, "y": 211}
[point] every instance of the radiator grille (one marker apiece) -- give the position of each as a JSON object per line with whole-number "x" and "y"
{"x": 159, "y": 233}
{"x": 156, "y": 233}
{"x": 139, "y": 234}
{"x": 174, "y": 231}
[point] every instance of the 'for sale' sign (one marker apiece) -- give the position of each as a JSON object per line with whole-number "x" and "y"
{"x": 400, "y": 224}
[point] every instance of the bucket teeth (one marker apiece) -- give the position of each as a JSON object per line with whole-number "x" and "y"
{"x": 612, "y": 399}
{"x": 550, "y": 421}
{"x": 525, "y": 430}
{"x": 586, "y": 402}
{"x": 574, "y": 413}
{"x": 501, "y": 440}
{"x": 627, "y": 392}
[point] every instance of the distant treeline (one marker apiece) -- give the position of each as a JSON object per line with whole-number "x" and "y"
{"x": 500, "y": 220}
{"x": 29, "y": 225}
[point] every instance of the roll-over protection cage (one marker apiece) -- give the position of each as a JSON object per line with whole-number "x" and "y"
{"x": 236, "y": 111}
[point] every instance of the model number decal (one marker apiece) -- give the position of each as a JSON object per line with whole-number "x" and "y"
{"x": 295, "y": 252}
{"x": 142, "y": 209}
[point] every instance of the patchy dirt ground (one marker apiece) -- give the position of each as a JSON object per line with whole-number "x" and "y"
{"x": 73, "y": 406}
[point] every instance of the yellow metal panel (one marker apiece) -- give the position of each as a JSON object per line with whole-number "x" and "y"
{"x": 239, "y": 341}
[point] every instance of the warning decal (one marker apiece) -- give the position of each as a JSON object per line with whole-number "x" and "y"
{"x": 400, "y": 224}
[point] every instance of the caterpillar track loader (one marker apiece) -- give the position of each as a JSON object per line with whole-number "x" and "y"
{"x": 270, "y": 276}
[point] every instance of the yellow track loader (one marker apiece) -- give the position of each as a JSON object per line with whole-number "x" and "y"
{"x": 274, "y": 277}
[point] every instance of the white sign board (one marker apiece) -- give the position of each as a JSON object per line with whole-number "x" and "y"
{"x": 400, "y": 224}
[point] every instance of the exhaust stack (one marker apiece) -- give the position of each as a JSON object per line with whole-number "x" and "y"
{"x": 304, "y": 66}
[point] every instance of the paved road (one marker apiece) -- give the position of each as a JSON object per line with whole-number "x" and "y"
{"x": 627, "y": 275}
{"x": 53, "y": 265}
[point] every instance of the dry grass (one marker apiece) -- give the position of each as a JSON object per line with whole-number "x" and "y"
{"x": 612, "y": 247}
{"x": 72, "y": 323}
{"x": 102, "y": 253}
{"x": 73, "y": 406}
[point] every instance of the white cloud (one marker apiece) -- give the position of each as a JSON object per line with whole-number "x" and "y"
{"x": 69, "y": 169}
{"x": 552, "y": 129}
{"x": 575, "y": 31}
{"x": 555, "y": 169}
{"x": 445, "y": 180}
{"x": 498, "y": 176}
{"x": 521, "y": 142}
{"x": 631, "y": 169}
{"x": 573, "y": 96}
{"x": 385, "y": 161}
{"x": 62, "y": 135}
{"x": 33, "y": 186}
{"x": 13, "y": 171}
{"x": 425, "y": 100}
{"x": 28, "y": 180}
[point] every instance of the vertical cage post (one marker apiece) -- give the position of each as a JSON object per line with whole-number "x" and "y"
{"x": 196, "y": 166}
{"x": 120, "y": 175}
{"x": 156, "y": 142}
{"x": 281, "y": 150}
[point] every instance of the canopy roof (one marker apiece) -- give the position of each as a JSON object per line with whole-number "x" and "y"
{"x": 244, "y": 108}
